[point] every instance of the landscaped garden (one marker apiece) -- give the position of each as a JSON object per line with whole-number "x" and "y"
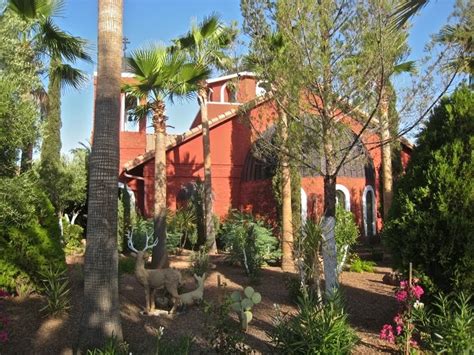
{"x": 292, "y": 217}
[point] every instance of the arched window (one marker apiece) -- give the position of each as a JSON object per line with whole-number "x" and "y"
{"x": 259, "y": 89}
{"x": 343, "y": 197}
{"x": 128, "y": 121}
{"x": 231, "y": 92}
{"x": 369, "y": 208}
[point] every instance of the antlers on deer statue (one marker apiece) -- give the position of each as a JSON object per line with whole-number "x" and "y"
{"x": 155, "y": 279}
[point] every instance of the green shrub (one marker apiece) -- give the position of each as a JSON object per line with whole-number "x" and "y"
{"x": 126, "y": 265}
{"x": 29, "y": 232}
{"x": 57, "y": 291}
{"x": 317, "y": 328}
{"x": 249, "y": 242}
{"x": 180, "y": 347}
{"x": 359, "y": 265}
{"x": 112, "y": 347}
{"x": 223, "y": 334}
{"x": 346, "y": 233}
{"x": 448, "y": 325}
{"x": 431, "y": 222}
{"x": 200, "y": 261}
{"x": 183, "y": 223}
{"x": 72, "y": 235}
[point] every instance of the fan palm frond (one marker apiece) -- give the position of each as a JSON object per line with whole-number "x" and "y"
{"x": 406, "y": 10}
{"x": 68, "y": 75}
{"x": 61, "y": 44}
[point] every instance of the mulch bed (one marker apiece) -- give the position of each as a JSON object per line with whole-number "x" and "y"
{"x": 370, "y": 304}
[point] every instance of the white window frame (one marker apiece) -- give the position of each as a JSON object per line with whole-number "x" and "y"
{"x": 369, "y": 189}
{"x": 347, "y": 194}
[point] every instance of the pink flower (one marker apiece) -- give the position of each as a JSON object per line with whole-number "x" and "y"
{"x": 398, "y": 319}
{"x": 3, "y": 336}
{"x": 417, "y": 291}
{"x": 399, "y": 329}
{"x": 401, "y": 296}
{"x": 403, "y": 284}
{"x": 413, "y": 342}
{"x": 4, "y": 293}
{"x": 387, "y": 333}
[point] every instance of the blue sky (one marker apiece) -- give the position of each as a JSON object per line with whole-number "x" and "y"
{"x": 162, "y": 20}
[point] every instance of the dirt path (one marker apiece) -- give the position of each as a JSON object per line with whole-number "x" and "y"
{"x": 370, "y": 304}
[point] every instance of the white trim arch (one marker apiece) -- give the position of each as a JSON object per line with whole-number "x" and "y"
{"x": 369, "y": 189}
{"x": 347, "y": 194}
{"x": 260, "y": 91}
{"x": 229, "y": 101}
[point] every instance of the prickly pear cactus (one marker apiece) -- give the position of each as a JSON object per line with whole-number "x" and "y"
{"x": 243, "y": 304}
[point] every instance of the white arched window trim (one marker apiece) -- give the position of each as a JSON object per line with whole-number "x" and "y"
{"x": 369, "y": 189}
{"x": 260, "y": 91}
{"x": 347, "y": 194}
{"x": 223, "y": 87}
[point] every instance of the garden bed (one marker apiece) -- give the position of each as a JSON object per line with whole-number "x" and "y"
{"x": 369, "y": 302}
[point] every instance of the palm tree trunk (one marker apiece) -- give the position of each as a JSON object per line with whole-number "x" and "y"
{"x": 287, "y": 263}
{"x": 208, "y": 201}
{"x": 387, "y": 177}
{"x": 101, "y": 314}
{"x": 160, "y": 253}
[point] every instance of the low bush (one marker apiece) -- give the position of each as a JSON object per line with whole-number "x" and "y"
{"x": 200, "y": 261}
{"x": 112, "y": 347}
{"x": 182, "y": 346}
{"x": 359, "y": 265}
{"x": 447, "y": 326}
{"x": 224, "y": 335}
{"x": 346, "y": 233}
{"x": 249, "y": 242}
{"x": 72, "y": 235}
{"x": 29, "y": 232}
{"x": 57, "y": 291}
{"x": 126, "y": 265}
{"x": 317, "y": 328}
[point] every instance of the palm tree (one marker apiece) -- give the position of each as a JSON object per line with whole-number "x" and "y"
{"x": 161, "y": 74}
{"x": 51, "y": 43}
{"x": 205, "y": 44}
{"x": 100, "y": 316}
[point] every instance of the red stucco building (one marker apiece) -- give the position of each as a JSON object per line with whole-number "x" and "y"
{"x": 240, "y": 180}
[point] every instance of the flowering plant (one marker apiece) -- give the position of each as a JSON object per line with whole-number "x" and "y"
{"x": 403, "y": 331}
{"x": 3, "y": 321}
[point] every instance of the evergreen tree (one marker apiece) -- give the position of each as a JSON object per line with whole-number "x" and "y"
{"x": 431, "y": 222}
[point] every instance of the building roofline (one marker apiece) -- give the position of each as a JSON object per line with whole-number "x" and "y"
{"x": 175, "y": 140}
{"x": 230, "y": 76}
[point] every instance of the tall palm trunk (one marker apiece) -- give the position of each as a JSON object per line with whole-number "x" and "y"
{"x": 160, "y": 254}
{"x": 101, "y": 315}
{"x": 208, "y": 201}
{"x": 287, "y": 263}
{"x": 387, "y": 175}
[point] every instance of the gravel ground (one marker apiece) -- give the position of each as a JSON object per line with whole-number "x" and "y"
{"x": 370, "y": 304}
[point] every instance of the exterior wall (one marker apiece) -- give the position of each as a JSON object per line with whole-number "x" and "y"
{"x": 231, "y": 141}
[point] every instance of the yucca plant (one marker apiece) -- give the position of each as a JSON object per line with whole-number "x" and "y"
{"x": 56, "y": 290}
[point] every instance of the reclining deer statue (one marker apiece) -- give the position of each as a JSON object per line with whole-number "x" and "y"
{"x": 195, "y": 296}
{"x": 154, "y": 279}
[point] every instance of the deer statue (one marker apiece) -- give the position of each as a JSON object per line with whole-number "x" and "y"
{"x": 155, "y": 279}
{"x": 189, "y": 298}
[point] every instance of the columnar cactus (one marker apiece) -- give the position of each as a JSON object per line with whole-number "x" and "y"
{"x": 243, "y": 305}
